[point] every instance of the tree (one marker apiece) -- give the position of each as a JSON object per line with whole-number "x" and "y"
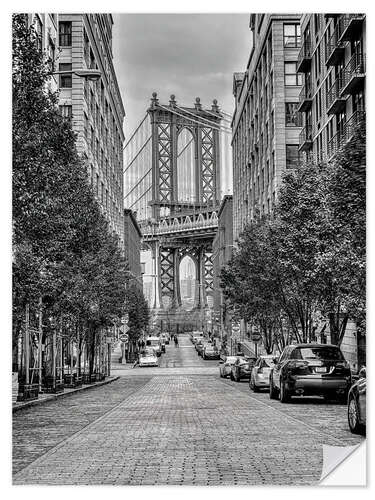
{"x": 309, "y": 259}
{"x": 139, "y": 314}
{"x": 63, "y": 248}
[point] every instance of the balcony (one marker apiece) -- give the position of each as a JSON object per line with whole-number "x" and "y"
{"x": 305, "y": 98}
{"x": 350, "y": 25}
{"x": 305, "y": 138}
{"x": 344, "y": 135}
{"x": 335, "y": 49}
{"x": 304, "y": 58}
{"x": 335, "y": 100}
{"x": 354, "y": 74}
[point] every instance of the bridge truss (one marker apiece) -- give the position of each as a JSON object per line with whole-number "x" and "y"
{"x": 172, "y": 181}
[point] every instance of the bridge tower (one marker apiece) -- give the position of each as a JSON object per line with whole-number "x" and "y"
{"x": 183, "y": 198}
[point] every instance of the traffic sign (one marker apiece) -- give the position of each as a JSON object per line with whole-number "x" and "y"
{"x": 124, "y": 338}
{"x": 124, "y": 329}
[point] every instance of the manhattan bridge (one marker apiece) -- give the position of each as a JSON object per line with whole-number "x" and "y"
{"x": 177, "y": 168}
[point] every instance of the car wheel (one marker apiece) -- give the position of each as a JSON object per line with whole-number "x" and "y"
{"x": 353, "y": 417}
{"x": 273, "y": 390}
{"x": 284, "y": 393}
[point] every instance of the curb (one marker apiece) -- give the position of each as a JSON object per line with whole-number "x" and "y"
{"x": 53, "y": 397}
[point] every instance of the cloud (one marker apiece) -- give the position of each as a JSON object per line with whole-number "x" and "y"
{"x": 188, "y": 55}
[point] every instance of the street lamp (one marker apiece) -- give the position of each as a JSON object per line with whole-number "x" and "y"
{"x": 88, "y": 74}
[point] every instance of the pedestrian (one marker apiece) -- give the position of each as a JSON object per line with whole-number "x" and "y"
{"x": 176, "y": 340}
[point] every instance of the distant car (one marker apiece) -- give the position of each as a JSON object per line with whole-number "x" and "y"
{"x": 260, "y": 374}
{"x": 196, "y": 336}
{"x": 357, "y": 404}
{"x": 165, "y": 336}
{"x": 225, "y": 365}
{"x": 310, "y": 369}
{"x": 148, "y": 357}
{"x": 242, "y": 368}
{"x": 201, "y": 344}
{"x": 210, "y": 352}
{"x": 155, "y": 343}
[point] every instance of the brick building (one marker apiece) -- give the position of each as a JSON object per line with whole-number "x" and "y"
{"x": 95, "y": 107}
{"x": 266, "y": 124}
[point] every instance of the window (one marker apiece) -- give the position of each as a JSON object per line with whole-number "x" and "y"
{"x": 291, "y": 77}
{"x": 292, "y": 156}
{"x": 66, "y": 111}
{"x": 292, "y": 35}
{"x": 65, "y": 79}
{"x": 292, "y": 117}
{"x": 65, "y": 34}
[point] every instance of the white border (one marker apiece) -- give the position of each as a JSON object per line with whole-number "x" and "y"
{"x": 5, "y": 187}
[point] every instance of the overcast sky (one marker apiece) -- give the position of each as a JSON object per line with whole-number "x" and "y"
{"x": 188, "y": 55}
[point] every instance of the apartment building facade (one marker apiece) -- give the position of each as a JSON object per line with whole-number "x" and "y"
{"x": 132, "y": 247}
{"x": 266, "y": 124}
{"x": 95, "y": 107}
{"x": 332, "y": 100}
{"x": 46, "y": 30}
{"x": 332, "y": 60}
{"x": 222, "y": 250}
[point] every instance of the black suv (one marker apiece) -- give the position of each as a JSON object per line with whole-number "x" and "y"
{"x": 310, "y": 369}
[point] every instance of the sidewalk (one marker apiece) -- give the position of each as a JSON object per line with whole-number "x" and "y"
{"x": 16, "y": 406}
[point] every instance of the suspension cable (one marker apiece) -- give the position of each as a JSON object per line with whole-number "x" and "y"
{"x": 136, "y": 156}
{"x": 195, "y": 121}
{"x": 201, "y": 117}
{"x": 136, "y": 130}
{"x": 135, "y": 185}
{"x": 223, "y": 112}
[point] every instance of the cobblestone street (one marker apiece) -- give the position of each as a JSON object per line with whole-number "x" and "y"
{"x": 168, "y": 426}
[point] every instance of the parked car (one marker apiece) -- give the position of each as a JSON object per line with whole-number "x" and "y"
{"x": 260, "y": 374}
{"x": 225, "y": 365}
{"x": 357, "y": 404}
{"x": 310, "y": 369}
{"x": 210, "y": 352}
{"x": 148, "y": 357}
{"x": 197, "y": 336}
{"x": 200, "y": 345}
{"x": 242, "y": 368}
{"x": 155, "y": 343}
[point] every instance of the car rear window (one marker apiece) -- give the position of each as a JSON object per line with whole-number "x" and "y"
{"x": 326, "y": 352}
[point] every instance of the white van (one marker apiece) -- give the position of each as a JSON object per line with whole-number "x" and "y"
{"x": 155, "y": 343}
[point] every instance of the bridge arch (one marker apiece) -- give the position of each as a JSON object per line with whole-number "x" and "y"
{"x": 188, "y": 272}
